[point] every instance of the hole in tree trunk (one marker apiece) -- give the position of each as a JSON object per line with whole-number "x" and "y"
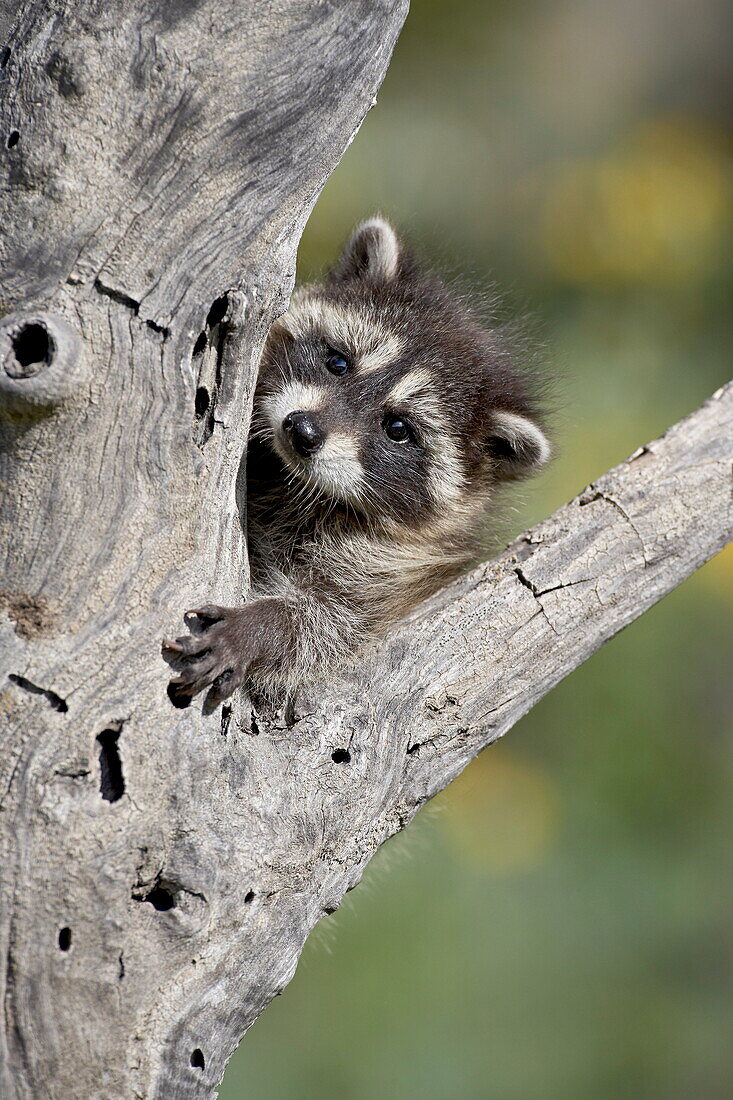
{"x": 32, "y": 350}
{"x": 206, "y": 359}
{"x": 161, "y": 898}
{"x": 111, "y": 779}
{"x": 218, "y": 308}
{"x": 202, "y": 402}
{"x": 162, "y": 894}
{"x": 179, "y": 701}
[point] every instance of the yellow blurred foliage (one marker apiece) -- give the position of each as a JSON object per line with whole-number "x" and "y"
{"x": 717, "y": 575}
{"x": 502, "y": 813}
{"x": 653, "y": 210}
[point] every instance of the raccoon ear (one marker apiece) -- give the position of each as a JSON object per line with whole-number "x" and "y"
{"x": 516, "y": 444}
{"x": 372, "y": 252}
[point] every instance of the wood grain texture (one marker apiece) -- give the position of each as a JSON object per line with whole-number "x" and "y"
{"x": 158, "y": 159}
{"x": 161, "y": 869}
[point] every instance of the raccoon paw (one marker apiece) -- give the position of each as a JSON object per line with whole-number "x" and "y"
{"x": 215, "y": 655}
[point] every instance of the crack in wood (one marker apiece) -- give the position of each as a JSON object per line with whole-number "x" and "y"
{"x": 601, "y": 495}
{"x": 54, "y": 701}
{"x": 537, "y": 592}
{"x": 126, "y": 300}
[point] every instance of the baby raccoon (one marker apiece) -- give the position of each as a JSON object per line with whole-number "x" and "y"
{"x": 384, "y": 418}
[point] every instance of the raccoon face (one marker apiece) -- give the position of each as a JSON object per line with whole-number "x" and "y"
{"x": 378, "y": 390}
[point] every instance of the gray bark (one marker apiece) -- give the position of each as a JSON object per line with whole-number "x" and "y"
{"x": 158, "y": 159}
{"x": 162, "y": 869}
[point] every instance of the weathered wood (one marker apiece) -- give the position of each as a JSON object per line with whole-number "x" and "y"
{"x": 465, "y": 668}
{"x": 160, "y": 869}
{"x": 158, "y": 159}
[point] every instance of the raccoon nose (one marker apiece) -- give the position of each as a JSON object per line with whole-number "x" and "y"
{"x": 305, "y": 435}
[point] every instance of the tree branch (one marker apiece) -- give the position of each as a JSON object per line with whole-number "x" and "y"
{"x": 162, "y": 869}
{"x": 469, "y": 664}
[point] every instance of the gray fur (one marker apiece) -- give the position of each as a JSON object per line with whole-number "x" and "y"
{"x": 384, "y": 418}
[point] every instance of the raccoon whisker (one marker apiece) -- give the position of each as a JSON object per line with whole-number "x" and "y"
{"x": 307, "y": 490}
{"x": 354, "y": 536}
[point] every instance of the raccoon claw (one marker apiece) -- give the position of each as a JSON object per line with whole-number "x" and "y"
{"x": 210, "y": 657}
{"x": 221, "y": 689}
{"x": 205, "y": 616}
{"x": 188, "y": 646}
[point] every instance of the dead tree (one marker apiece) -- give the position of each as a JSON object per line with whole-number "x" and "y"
{"x": 161, "y": 869}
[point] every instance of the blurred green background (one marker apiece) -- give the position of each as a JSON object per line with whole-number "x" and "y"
{"x": 558, "y": 924}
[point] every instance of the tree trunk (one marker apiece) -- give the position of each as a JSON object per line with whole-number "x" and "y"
{"x": 158, "y": 161}
{"x": 162, "y": 869}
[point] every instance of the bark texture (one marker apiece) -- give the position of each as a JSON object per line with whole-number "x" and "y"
{"x": 158, "y": 159}
{"x": 162, "y": 869}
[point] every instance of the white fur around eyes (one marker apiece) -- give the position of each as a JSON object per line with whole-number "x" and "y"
{"x": 379, "y": 357}
{"x": 293, "y": 397}
{"x": 414, "y": 394}
{"x": 336, "y": 468}
{"x": 349, "y": 329}
{"x": 416, "y": 382}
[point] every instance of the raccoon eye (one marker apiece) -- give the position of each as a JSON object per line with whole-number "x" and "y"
{"x": 336, "y": 362}
{"x": 397, "y": 429}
